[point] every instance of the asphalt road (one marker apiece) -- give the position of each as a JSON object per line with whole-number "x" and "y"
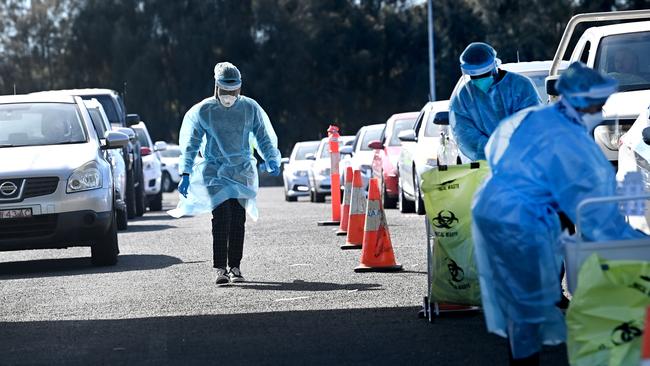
{"x": 302, "y": 303}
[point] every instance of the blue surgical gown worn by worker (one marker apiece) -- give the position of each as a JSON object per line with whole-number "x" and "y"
{"x": 226, "y": 138}
{"x": 543, "y": 161}
{"x": 475, "y": 114}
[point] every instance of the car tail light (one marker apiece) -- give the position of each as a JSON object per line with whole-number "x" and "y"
{"x": 145, "y": 151}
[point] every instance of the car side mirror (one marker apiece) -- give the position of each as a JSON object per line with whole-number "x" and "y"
{"x": 132, "y": 119}
{"x": 551, "y": 82}
{"x": 407, "y": 136}
{"x": 376, "y": 145}
{"x": 310, "y": 156}
{"x": 115, "y": 140}
{"x": 646, "y": 135}
{"x": 441, "y": 118}
{"x": 346, "y": 150}
{"x": 160, "y": 146}
{"x": 127, "y": 131}
{"x": 284, "y": 161}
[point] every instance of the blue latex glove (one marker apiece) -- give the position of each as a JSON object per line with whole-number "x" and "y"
{"x": 184, "y": 186}
{"x": 274, "y": 167}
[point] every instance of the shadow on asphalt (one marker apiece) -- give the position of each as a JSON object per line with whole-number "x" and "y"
{"x": 152, "y": 217}
{"x": 147, "y": 228}
{"x": 299, "y": 285}
{"x": 82, "y": 266}
{"x": 378, "y": 336}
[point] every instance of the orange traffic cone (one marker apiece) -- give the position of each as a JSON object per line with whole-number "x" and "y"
{"x": 645, "y": 346}
{"x": 377, "y": 252}
{"x": 357, "y": 215}
{"x": 345, "y": 208}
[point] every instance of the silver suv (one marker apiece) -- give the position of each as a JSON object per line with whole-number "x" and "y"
{"x": 56, "y": 187}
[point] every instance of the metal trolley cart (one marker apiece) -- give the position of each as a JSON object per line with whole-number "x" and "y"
{"x": 441, "y": 212}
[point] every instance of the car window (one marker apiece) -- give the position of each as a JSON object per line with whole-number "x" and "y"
{"x": 431, "y": 129}
{"x": 302, "y": 150}
{"x": 624, "y": 57}
{"x": 171, "y": 153}
{"x": 96, "y": 118}
{"x": 33, "y": 124}
{"x": 371, "y": 134}
{"x": 142, "y": 137}
{"x": 109, "y": 107}
{"x": 399, "y": 126}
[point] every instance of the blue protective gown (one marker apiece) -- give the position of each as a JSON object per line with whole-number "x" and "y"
{"x": 543, "y": 161}
{"x": 226, "y": 138}
{"x": 474, "y": 114}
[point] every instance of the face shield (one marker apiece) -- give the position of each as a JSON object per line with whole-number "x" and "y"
{"x": 228, "y": 97}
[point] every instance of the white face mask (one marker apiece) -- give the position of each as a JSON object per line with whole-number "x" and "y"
{"x": 227, "y": 100}
{"x": 591, "y": 120}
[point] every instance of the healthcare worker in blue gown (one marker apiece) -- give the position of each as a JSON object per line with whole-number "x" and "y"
{"x": 225, "y": 128}
{"x": 491, "y": 95}
{"x": 543, "y": 160}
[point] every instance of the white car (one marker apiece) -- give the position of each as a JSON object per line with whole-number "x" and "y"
{"x": 102, "y": 126}
{"x": 319, "y": 174}
{"x": 56, "y": 186}
{"x": 170, "y": 175}
{"x": 296, "y": 170}
{"x": 359, "y": 155}
{"x": 151, "y": 166}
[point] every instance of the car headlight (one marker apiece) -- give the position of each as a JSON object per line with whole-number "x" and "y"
{"x": 85, "y": 178}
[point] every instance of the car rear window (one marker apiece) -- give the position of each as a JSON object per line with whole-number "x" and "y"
{"x": 109, "y": 107}
{"x": 399, "y": 126}
{"x": 34, "y": 124}
{"x": 142, "y": 137}
{"x": 171, "y": 153}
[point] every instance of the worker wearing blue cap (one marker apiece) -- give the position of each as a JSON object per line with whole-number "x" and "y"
{"x": 543, "y": 160}
{"x": 490, "y": 95}
{"x": 225, "y": 129}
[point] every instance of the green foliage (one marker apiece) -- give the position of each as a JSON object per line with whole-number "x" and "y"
{"x": 308, "y": 62}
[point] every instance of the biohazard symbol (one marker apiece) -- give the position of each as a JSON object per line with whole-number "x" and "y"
{"x": 625, "y": 333}
{"x": 457, "y": 274}
{"x": 444, "y": 220}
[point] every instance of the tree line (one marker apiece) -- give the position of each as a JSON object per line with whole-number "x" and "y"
{"x": 308, "y": 62}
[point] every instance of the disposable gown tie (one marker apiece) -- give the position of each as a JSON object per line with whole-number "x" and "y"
{"x": 475, "y": 114}
{"x": 543, "y": 161}
{"x": 227, "y": 169}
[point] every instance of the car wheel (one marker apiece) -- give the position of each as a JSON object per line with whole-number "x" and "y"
{"x": 319, "y": 197}
{"x": 122, "y": 219}
{"x": 130, "y": 195}
{"x": 389, "y": 202}
{"x": 312, "y": 196}
{"x": 104, "y": 251}
{"x": 140, "y": 198}
{"x": 290, "y": 198}
{"x": 419, "y": 202}
{"x": 155, "y": 204}
{"x": 167, "y": 185}
{"x": 405, "y": 206}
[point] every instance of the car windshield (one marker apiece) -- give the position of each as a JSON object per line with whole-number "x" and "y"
{"x": 399, "y": 126}
{"x": 302, "y": 150}
{"x": 171, "y": 152}
{"x": 33, "y": 124}
{"x": 539, "y": 80}
{"x": 624, "y": 57}
{"x": 372, "y": 133}
{"x": 109, "y": 107}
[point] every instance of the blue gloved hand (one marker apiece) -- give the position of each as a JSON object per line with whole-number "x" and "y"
{"x": 184, "y": 186}
{"x": 274, "y": 167}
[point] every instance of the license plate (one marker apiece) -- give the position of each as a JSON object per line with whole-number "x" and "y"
{"x": 19, "y": 213}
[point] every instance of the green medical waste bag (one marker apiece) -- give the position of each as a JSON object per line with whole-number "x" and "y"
{"x": 448, "y": 198}
{"x": 605, "y": 320}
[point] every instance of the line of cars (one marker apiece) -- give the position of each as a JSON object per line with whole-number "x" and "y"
{"x": 76, "y": 167}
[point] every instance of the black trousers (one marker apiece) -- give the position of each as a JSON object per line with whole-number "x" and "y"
{"x": 228, "y": 225}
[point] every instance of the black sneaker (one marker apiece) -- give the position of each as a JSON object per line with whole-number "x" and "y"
{"x": 235, "y": 275}
{"x": 222, "y": 276}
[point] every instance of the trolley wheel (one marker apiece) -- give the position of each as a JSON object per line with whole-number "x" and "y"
{"x": 422, "y": 314}
{"x": 432, "y": 309}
